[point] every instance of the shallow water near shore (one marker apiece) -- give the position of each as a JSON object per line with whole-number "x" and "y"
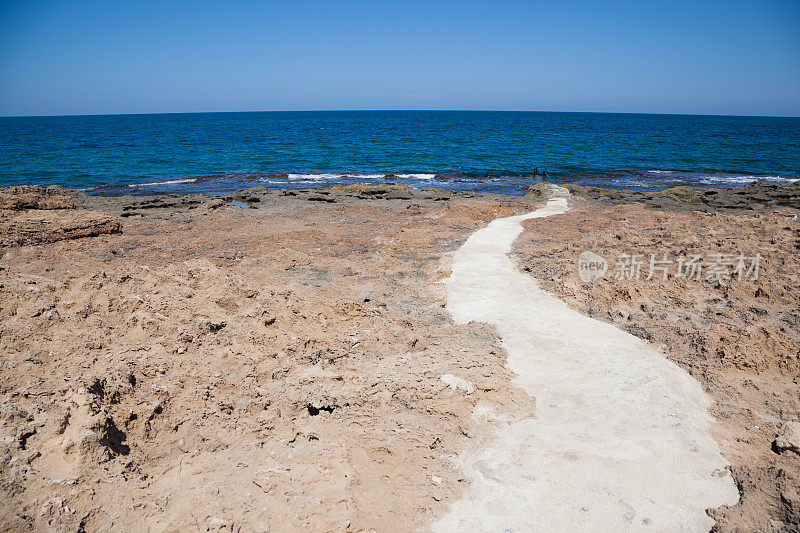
{"x": 498, "y": 152}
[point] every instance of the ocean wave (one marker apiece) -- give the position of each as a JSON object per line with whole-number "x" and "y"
{"x": 365, "y": 176}
{"x": 506, "y": 184}
{"x": 416, "y": 176}
{"x": 336, "y": 177}
{"x": 623, "y": 183}
{"x": 168, "y": 182}
{"x": 327, "y": 176}
{"x": 311, "y": 177}
{"x": 743, "y": 179}
{"x": 712, "y": 178}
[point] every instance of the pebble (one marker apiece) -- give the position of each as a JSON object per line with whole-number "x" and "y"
{"x": 456, "y": 382}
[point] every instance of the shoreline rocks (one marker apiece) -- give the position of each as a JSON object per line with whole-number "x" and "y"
{"x": 35, "y": 215}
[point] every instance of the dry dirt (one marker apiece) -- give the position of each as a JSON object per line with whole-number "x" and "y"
{"x": 739, "y": 339}
{"x": 220, "y": 368}
{"x": 213, "y": 367}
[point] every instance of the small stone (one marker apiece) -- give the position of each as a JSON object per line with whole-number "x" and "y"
{"x": 456, "y": 382}
{"x": 788, "y": 439}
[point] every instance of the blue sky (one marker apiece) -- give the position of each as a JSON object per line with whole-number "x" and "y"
{"x": 715, "y": 57}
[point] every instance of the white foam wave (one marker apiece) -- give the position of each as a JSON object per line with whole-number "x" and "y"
{"x": 716, "y": 178}
{"x": 623, "y": 183}
{"x": 366, "y": 176}
{"x": 168, "y": 182}
{"x": 327, "y": 176}
{"x": 416, "y": 176}
{"x": 744, "y": 179}
{"x": 312, "y": 177}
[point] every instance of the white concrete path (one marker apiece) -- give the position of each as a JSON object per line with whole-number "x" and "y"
{"x": 620, "y": 440}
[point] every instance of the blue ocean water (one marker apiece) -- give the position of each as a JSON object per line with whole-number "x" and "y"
{"x": 461, "y": 150}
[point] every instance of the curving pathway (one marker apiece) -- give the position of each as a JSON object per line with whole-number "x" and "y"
{"x": 620, "y": 440}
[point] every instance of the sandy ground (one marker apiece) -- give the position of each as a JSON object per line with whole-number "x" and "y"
{"x": 213, "y": 367}
{"x": 292, "y": 366}
{"x": 739, "y": 339}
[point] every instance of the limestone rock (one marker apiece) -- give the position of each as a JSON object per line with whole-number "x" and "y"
{"x": 34, "y": 197}
{"x": 455, "y": 382}
{"x": 788, "y": 439}
{"x": 216, "y": 203}
{"x": 535, "y": 191}
{"x": 44, "y": 226}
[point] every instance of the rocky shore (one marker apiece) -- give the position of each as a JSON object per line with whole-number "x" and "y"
{"x": 740, "y": 338}
{"x": 284, "y": 363}
{"x": 282, "y": 360}
{"x": 755, "y": 197}
{"x": 35, "y": 215}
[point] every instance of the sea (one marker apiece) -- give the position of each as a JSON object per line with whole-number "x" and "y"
{"x": 485, "y": 151}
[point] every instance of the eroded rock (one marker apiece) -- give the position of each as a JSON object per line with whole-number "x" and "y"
{"x": 788, "y": 439}
{"x": 45, "y": 226}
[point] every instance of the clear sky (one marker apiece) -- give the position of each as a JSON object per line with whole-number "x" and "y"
{"x": 96, "y": 57}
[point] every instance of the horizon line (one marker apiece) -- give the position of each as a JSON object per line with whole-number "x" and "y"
{"x": 395, "y": 111}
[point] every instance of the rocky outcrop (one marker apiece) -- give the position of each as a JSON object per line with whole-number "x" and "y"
{"x": 36, "y": 215}
{"x": 753, "y": 197}
{"x": 370, "y": 190}
{"x": 34, "y": 197}
{"x": 38, "y": 226}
